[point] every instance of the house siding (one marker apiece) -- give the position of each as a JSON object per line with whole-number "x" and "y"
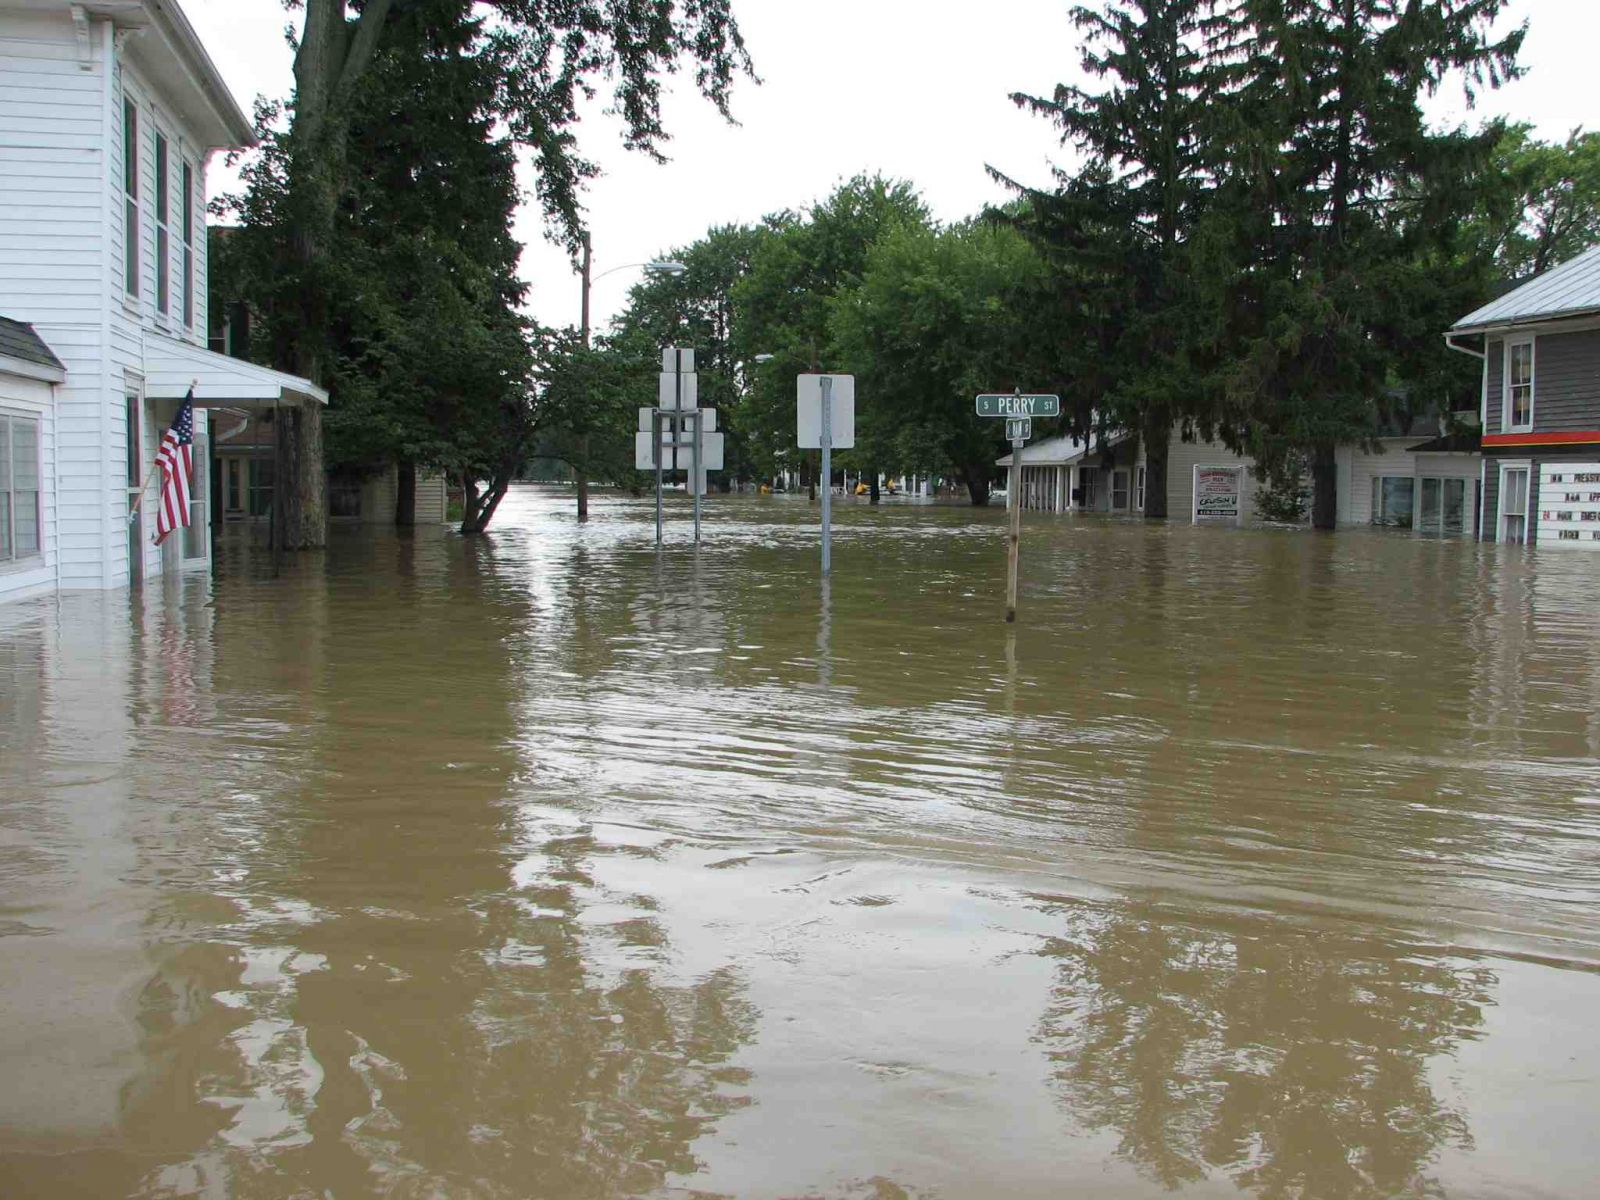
{"x": 62, "y": 269}
{"x": 1494, "y": 398}
{"x": 1566, "y": 396}
{"x": 430, "y": 506}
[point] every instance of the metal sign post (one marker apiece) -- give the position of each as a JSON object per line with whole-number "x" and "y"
{"x": 676, "y": 434}
{"x": 1019, "y": 410}
{"x": 655, "y": 425}
{"x": 827, "y": 474}
{"x": 825, "y": 419}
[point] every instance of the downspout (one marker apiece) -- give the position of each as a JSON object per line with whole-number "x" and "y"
{"x": 1483, "y": 415}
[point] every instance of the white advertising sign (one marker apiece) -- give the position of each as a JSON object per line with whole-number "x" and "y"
{"x": 1216, "y": 493}
{"x": 841, "y": 411}
{"x": 1569, "y": 505}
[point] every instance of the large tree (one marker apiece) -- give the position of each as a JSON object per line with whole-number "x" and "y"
{"x": 1339, "y": 201}
{"x": 1116, "y": 227}
{"x": 786, "y": 299}
{"x": 552, "y": 52}
{"x": 427, "y": 353}
{"x": 938, "y": 317}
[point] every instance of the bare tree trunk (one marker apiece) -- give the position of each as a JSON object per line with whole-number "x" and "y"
{"x": 332, "y": 55}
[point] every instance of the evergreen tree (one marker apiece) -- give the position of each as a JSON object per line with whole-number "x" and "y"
{"x": 1341, "y": 209}
{"x": 1117, "y": 229}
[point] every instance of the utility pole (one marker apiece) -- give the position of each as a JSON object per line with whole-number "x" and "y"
{"x": 581, "y": 467}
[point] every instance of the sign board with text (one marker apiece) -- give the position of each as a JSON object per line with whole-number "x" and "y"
{"x": 1018, "y": 404}
{"x": 1217, "y": 492}
{"x": 1569, "y": 504}
{"x": 1019, "y": 429}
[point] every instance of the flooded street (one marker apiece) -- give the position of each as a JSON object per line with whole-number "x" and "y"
{"x": 1247, "y": 863}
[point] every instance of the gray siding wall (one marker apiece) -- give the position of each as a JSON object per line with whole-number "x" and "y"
{"x": 1566, "y": 382}
{"x": 1496, "y": 365}
{"x": 1566, "y": 388}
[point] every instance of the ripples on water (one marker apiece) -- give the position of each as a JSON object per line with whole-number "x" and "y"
{"x": 543, "y": 865}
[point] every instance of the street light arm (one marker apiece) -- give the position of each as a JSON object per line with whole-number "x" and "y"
{"x": 660, "y": 267}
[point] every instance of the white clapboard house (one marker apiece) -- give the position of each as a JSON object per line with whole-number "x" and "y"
{"x": 109, "y": 113}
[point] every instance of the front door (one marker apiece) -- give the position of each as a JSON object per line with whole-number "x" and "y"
{"x": 135, "y": 478}
{"x": 1514, "y": 505}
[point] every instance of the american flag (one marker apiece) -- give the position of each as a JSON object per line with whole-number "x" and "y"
{"x": 176, "y": 459}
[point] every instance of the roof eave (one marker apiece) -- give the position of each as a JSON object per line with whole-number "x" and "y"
{"x": 27, "y": 369}
{"x": 1501, "y": 324}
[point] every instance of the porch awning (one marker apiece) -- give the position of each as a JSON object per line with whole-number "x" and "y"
{"x": 1062, "y": 451}
{"x": 171, "y": 366}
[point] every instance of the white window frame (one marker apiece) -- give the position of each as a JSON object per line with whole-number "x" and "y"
{"x": 1528, "y": 502}
{"x": 12, "y": 561}
{"x": 132, "y": 209}
{"x": 1138, "y": 489}
{"x": 161, "y": 212}
{"x": 1506, "y": 424}
{"x": 187, "y": 210}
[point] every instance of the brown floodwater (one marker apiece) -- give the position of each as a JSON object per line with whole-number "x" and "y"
{"x": 543, "y": 865}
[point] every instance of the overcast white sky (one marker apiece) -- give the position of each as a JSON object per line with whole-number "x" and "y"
{"x": 916, "y": 89}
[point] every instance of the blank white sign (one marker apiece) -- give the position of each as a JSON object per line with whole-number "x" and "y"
{"x": 679, "y": 457}
{"x": 678, "y": 391}
{"x": 841, "y": 411}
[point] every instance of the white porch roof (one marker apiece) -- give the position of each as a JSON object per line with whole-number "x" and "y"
{"x": 1064, "y": 451}
{"x": 219, "y": 381}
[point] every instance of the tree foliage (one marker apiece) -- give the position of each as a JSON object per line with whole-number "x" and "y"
{"x": 938, "y": 316}
{"x": 1541, "y": 202}
{"x": 544, "y": 59}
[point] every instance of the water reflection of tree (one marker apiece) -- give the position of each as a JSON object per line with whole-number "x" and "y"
{"x": 1293, "y": 1059}
{"x": 376, "y": 1006}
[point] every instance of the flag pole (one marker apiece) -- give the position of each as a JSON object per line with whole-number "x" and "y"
{"x": 133, "y": 509}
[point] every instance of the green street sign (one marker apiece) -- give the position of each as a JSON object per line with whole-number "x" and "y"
{"x": 1014, "y": 404}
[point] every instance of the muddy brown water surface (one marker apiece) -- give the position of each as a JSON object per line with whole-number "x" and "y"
{"x": 1253, "y": 863}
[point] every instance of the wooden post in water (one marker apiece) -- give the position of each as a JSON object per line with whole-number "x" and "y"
{"x": 1014, "y": 537}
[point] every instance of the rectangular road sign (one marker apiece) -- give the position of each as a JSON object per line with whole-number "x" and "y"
{"x": 708, "y": 420}
{"x": 992, "y": 404}
{"x": 1019, "y": 429}
{"x": 841, "y": 411}
{"x": 678, "y": 391}
{"x": 679, "y": 455}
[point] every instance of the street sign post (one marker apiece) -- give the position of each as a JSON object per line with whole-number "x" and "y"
{"x": 1018, "y": 409}
{"x": 825, "y": 417}
{"x": 676, "y": 433}
{"x": 1018, "y": 404}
